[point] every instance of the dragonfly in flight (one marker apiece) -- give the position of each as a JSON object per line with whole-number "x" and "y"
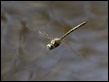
{"x": 57, "y": 41}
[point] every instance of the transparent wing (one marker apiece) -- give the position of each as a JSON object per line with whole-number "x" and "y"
{"x": 32, "y": 43}
{"x": 72, "y": 45}
{"x": 45, "y": 35}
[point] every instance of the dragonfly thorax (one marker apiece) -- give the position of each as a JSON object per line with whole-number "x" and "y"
{"x": 54, "y": 43}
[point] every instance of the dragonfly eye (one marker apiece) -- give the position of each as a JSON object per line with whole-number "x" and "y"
{"x": 50, "y": 46}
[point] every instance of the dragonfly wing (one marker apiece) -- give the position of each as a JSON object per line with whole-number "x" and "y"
{"x": 70, "y": 46}
{"x": 45, "y": 35}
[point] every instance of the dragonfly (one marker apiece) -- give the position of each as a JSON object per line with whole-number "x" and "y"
{"x": 57, "y": 41}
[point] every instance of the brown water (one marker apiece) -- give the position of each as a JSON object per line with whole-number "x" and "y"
{"x": 82, "y": 56}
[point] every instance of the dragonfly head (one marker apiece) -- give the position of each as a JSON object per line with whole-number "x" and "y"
{"x": 50, "y": 46}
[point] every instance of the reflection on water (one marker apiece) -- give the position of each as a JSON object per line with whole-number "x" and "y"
{"x": 83, "y": 55}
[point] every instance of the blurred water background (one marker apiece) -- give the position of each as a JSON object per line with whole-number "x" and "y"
{"x": 82, "y": 56}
